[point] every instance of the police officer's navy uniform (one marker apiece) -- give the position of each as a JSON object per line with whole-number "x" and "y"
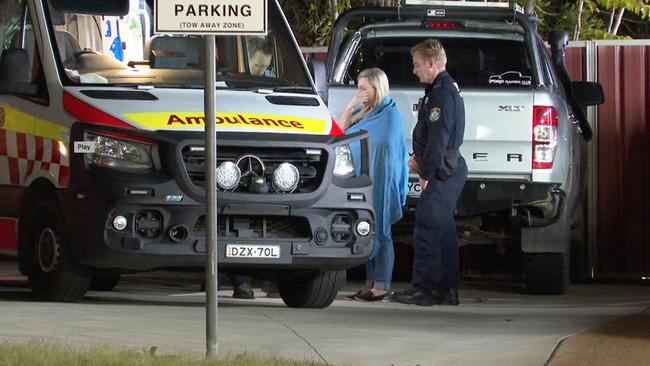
{"x": 437, "y": 137}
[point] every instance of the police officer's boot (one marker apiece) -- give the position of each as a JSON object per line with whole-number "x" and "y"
{"x": 415, "y": 296}
{"x": 243, "y": 293}
{"x": 448, "y": 297}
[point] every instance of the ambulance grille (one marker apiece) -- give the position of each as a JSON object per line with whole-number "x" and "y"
{"x": 311, "y": 164}
{"x": 266, "y": 227}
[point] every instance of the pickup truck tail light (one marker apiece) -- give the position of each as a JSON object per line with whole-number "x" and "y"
{"x": 545, "y": 133}
{"x": 440, "y": 24}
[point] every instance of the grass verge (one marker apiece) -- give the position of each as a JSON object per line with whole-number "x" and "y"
{"x": 35, "y": 353}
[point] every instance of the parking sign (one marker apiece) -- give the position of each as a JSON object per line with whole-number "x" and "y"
{"x": 226, "y": 17}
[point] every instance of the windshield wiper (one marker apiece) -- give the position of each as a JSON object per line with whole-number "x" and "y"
{"x": 295, "y": 89}
{"x": 179, "y": 86}
{"x": 147, "y": 86}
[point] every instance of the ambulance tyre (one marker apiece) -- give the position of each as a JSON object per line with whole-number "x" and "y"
{"x": 54, "y": 275}
{"x": 316, "y": 291}
{"x": 104, "y": 281}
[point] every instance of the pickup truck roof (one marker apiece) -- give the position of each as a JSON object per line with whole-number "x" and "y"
{"x": 497, "y": 27}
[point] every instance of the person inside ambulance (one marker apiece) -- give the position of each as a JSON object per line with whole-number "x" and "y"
{"x": 260, "y": 55}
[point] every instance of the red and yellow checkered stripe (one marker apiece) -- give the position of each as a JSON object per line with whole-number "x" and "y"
{"x": 22, "y": 155}
{"x": 29, "y": 150}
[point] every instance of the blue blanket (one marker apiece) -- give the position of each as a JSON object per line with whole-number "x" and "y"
{"x": 388, "y": 159}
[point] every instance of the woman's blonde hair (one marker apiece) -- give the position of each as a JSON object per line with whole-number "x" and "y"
{"x": 378, "y": 81}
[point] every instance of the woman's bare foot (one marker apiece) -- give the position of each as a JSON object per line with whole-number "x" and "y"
{"x": 378, "y": 292}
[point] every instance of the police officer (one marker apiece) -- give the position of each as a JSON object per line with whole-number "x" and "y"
{"x": 437, "y": 137}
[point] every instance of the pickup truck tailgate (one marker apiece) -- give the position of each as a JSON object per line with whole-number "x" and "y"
{"x": 498, "y": 127}
{"x": 498, "y": 132}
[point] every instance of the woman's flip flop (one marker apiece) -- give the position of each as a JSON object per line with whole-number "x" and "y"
{"x": 354, "y": 296}
{"x": 368, "y": 296}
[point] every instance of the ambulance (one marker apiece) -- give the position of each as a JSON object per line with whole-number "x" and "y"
{"x": 102, "y": 155}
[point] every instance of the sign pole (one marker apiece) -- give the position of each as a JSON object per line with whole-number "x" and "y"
{"x": 211, "y": 196}
{"x": 182, "y": 17}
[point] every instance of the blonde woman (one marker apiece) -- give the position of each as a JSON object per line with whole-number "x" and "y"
{"x": 372, "y": 110}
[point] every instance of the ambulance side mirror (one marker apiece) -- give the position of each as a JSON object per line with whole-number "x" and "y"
{"x": 15, "y": 72}
{"x": 319, "y": 75}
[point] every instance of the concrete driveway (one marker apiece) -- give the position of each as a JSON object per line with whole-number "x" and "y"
{"x": 494, "y": 325}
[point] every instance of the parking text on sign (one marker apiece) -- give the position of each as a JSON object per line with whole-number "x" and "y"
{"x": 204, "y": 17}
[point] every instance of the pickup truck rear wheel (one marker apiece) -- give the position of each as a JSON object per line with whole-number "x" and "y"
{"x": 54, "y": 274}
{"x": 547, "y": 273}
{"x": 316, "y": 291}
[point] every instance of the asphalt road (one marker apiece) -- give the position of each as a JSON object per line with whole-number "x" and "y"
{"x": 494, "y": 325}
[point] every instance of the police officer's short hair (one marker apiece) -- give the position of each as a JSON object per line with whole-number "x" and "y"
{"x": 431, "y": 48}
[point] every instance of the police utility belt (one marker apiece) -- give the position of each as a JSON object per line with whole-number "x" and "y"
{"x": 449, "y": 163}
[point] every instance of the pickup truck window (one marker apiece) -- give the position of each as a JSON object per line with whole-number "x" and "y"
{"x": 472, "y": 62}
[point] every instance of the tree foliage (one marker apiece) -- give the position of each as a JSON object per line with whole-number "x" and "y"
{"x": 312, "y": 21}
{"x": 598, "y": 19}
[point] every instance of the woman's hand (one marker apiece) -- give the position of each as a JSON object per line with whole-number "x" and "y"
{"x": 415, "y": 168}
{"x": 413, "y": 165}
{"x": 423, "y": 184}
{"x": 357, "y": 99}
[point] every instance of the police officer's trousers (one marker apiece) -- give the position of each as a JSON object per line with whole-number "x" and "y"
{"x": 435, "y": 265}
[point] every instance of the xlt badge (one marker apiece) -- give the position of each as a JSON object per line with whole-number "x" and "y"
{"x": 511, "y": 108}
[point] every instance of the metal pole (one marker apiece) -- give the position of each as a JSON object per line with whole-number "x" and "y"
{"x": 591, "y": 71}
{"x": 211, "y": 302}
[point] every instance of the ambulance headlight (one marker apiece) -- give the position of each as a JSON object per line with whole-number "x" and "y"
{"x": 286, "y": 177}
{"x": 343, "y": 166}
{"x": 228, "y": 175}
{"x": 120, "y": 154}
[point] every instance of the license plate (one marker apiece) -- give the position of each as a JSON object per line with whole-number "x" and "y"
{"x": 414, "y": 189}
{"x": 252, "y": 251}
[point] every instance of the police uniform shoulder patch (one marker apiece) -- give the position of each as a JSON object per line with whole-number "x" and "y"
{"x": 434, "y": 116}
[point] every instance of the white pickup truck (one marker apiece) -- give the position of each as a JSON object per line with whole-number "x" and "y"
{"x": 525, "y": 122}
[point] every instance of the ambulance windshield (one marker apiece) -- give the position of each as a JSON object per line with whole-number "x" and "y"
{"x": 123, "y": 51}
